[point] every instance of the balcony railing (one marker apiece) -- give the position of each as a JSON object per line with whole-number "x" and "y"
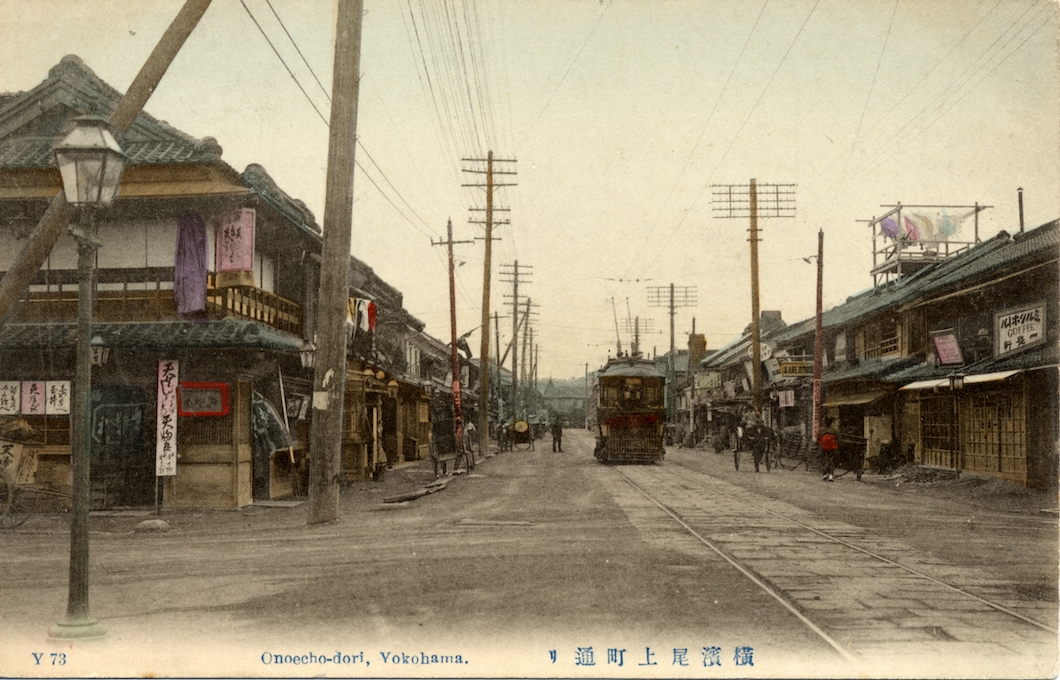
{"x": 249, "y": 302}
{"x": 146, "y": 294}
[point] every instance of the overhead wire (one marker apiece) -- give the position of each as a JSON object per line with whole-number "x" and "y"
{"x": 659, "y": 250}
{"x": 872, "y": 86}
{"x": 939, "y": 108}
{"x": 448, "y": 46}
{"x": 325, "y": 121}
{"x": 918, "y": 123}
{"x": 702, "y": 130}
{"x": 565, "y": 74}
{"x": 888, "y": 115}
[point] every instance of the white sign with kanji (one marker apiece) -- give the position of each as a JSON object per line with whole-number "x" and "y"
{"x": 10, "y": 397}
{"x": 166, "y": 440}
{"x": 57, "y": 397}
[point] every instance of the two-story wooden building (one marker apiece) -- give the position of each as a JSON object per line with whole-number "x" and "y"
{"x": 952, "y": 363}
{"x": 208, "y": 276}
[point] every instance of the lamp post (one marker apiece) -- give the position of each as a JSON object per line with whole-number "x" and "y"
{"x": 91, "y": 164}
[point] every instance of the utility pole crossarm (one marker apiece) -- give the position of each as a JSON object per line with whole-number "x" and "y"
{"x": 752, "y": 201}
{"x": 484, "y": 354}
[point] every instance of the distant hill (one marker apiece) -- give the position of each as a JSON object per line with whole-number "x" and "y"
{"x": 565, "y": 389}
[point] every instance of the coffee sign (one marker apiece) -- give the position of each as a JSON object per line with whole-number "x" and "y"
{"x": 1019, "y": 328}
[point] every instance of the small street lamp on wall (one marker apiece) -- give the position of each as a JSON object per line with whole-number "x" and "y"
{"x": 100, "y": 352}
{"x": 91, "y": 165}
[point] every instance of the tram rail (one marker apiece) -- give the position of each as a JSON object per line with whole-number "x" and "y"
{"x": 685, "y": 481}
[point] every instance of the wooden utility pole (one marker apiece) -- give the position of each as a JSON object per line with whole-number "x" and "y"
{"x": 484, "y": 353}
{"x": 779, "y": 201}
{"x": 818, "y": 342}
{"x": 526, "y": 364}
{"x": 672, "y": 297}
{"x": 515, "y": 340}
{"x": 500, "y": 362}
{"x": 458, "y": 408}
{"x": 329, "y": 378}
{"x": 515, "y": 274}
{"x": 756, "y": 337}
{"x": 59, "y": 212}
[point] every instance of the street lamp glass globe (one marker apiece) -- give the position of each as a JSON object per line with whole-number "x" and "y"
{"x": 90, "y": 162}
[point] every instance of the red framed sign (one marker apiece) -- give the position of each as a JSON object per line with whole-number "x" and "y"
{"x": 202, "y": 399}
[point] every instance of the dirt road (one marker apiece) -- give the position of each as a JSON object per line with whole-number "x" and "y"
{"x": 528, "y": 566}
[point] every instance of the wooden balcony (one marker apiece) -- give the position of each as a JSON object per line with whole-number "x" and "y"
{"x": 146, "y": 294}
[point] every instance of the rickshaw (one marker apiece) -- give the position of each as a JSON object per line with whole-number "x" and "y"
{"x": 18, "y": 463}
{"x": 522, "y": 435}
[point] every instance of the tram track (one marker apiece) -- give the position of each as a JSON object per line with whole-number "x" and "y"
{"x": 861, "y": 591}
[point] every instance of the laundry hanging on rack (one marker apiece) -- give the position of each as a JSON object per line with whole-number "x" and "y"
{"x": 360, "y": 315}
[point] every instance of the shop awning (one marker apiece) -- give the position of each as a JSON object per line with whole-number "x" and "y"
{"x": 939, "y": 383}
{"x": 855, "y": 399}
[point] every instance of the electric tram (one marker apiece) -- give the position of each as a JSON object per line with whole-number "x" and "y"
{"x": 630, "y": 415}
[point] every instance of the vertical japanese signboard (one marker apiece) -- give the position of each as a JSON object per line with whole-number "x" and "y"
{"x": 234, "y": 240}
{"x": 57, "y": 397}
{"x": 10, "y": 397}
{"x": 166, "y": 442}
{"x": 33, "y": 398}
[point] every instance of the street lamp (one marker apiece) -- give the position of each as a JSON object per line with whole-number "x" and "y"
{"x": 91, "y": 164}
{"x": 99, "y": 351}
{"x": 307, "y": 354}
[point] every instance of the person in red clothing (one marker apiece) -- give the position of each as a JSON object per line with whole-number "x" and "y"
{"x": 829, "y": 446}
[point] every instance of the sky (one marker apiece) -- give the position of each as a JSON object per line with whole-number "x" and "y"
{"x": 619, "y": 118}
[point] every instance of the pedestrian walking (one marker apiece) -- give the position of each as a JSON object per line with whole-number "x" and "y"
{"x": 737, "y": 445}
{"x": 829, "y": 450}
{"x": 470, "y": 434}
{"x": 557, "y": 436}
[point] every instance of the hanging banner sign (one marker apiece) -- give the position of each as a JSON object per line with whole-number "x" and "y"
{"x": 234, "y": 240}
{"x": 166, "y": 441}
{"x": 786, "y": 399}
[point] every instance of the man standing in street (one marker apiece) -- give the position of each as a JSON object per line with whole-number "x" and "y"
{"x": 759, "y": 439}
{"x": 557, "y": 436}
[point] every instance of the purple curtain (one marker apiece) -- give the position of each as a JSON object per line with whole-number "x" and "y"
{"x": 190, "y": 268}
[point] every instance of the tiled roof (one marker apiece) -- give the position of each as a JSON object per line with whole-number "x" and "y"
{"x": 35, "y": 152}
{"x": 31, "y": 121}
{"x": 869, "y": 369}
{"x": 294, "y": 210}
{"x": 724, "y": 355}
{"x": 966, "y": 267}
{"x": 1042, "y": 356}
{"x": 146, "y": 336}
